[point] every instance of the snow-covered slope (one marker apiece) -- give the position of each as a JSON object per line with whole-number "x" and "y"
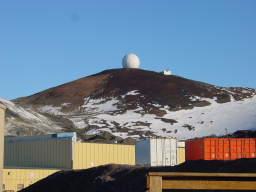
{"x": 26, "y": 121}
{"x": 100, "y": 108}
{"x": 214, "y": 119}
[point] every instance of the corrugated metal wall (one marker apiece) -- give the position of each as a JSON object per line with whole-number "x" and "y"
{"x": 221, "y": 148}
{"x": 93, "y": 154}
{"x": 180, "y": 152}
{"x": 229, "y": 148}
{"x": 2, "y": 116}
{"x": 163, "y": 152}
{"x": 194, "y": 149}
{"x": 50, "y": 153}
{"x": 160, "y": 152}
{"x": 143, "y": 153}
{"x": 16, "y": 179}
{"x": 181, "y": 155}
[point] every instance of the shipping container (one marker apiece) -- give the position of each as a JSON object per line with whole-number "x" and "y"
{"x": 17, "y": 179}
{"x": 220, "y": 148}
{"x": 38, "y": 152}
{"x": 159, "y": 152}
{"x": 88, "y": 155}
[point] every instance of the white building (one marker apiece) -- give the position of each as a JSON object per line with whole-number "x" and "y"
{"x": 167, "y": 72}
{"x": 160, "y": 152}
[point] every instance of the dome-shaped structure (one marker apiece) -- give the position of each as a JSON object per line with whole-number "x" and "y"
{"x": 131, "y": 61}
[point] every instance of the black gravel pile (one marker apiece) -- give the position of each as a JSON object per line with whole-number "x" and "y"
{"x": 124, "y": 178}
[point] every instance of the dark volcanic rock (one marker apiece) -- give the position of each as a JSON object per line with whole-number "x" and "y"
{"x": 171, "y": 121}
{"x": 124, "y": 178}
{"x": 242, "y": 134}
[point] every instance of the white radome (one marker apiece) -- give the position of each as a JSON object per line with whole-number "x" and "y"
{"x": 131, "y": 61}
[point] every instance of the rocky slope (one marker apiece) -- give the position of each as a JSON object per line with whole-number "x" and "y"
{"x": 127, "y": 104}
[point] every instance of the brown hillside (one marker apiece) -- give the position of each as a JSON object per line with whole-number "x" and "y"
{"x": 167, "y": 90}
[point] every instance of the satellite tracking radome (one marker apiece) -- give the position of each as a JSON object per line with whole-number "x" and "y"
{"x": 131, "y": 61}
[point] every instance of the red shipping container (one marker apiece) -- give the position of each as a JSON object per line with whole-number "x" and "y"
{"x": 220, "y": 148}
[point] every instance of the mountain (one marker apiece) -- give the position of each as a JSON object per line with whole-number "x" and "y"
{"x": 127, "y": 104}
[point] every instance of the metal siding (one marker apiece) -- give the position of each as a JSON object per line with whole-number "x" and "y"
{"x": 195, "y": 149}
{"x": 52, "y": 153}
{"x": 115, "y": 154}
{"x": 88, "y": 155}
{"x": 180, "y": 155}
{"x": 166, "y": 152}
{"x": 13, "y": 177}
{"x": 159, "y": 154}
{"x": 143, "y": 152}
{"x": 163, "y": 152}
{"x": 71, "y": 135}
{"x": 173, "y": 152}
{"x": 180, "y": 152}
{"x": 221, "y": 148}
{"x": 118, "y": 157}
{"x": 153, "y": 151}
{"x": 107, "y": 150}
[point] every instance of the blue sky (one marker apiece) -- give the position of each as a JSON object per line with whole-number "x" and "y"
{"x": 45, "y": 43}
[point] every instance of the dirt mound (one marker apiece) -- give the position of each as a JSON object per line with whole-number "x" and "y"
{"x": 123, "y": 178}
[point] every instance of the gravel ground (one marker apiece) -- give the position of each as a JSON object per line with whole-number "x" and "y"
{"x": 124, "y": 178}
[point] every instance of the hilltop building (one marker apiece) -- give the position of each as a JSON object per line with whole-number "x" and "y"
{"x": 166, "y": 72}
{"x": 131, "y": 61}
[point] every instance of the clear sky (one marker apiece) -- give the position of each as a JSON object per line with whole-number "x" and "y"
{"x": 44, "y": 43}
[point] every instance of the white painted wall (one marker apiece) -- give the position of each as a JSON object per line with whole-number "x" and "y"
{"x": 157, "y": 152}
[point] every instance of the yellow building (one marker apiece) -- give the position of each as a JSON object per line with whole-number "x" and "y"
{"x": 61, "y": 151}
{"x": 180, "y": 152}
{"x": 2, "y": 121}
{"x": 17, "y": 179}
{"x": 88, "y": 155}
{"x": 29, "y": 159}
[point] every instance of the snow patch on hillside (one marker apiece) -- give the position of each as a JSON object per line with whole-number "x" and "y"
{"x": 111, "y": 115}
{"x": 21, "y": 112}
{"x": 52, "y": 110}
{"x": 134, "y": 92}
{"x": 199, "y": 121}
{"x": 100, "y": 105}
